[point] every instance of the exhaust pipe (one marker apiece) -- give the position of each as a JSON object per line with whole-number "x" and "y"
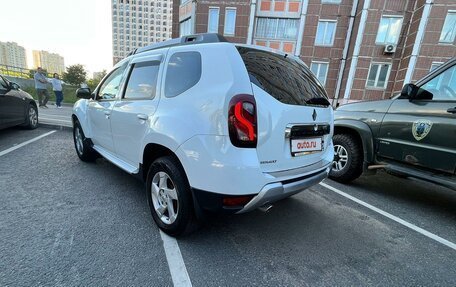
{"x": 265, "y": 208}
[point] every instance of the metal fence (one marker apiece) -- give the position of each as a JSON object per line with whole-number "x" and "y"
{"x": 19, "y": 72}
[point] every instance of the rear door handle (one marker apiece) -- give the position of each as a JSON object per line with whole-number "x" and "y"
{"x": 452, "y": 110}
{"x": 142, "y": 117}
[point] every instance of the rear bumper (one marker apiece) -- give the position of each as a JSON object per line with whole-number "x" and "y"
{"x": 206, "y": 201}
{"x": 213, "y": 164}
{"x": 280, "y": 190}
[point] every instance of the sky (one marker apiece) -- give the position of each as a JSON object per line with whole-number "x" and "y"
{"x": 78, "y": 30}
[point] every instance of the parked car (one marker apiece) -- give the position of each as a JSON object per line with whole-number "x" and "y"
{"x": 16, "y": 106}
{"x": 209, "y": 125}
{"x": 411, "y": 135}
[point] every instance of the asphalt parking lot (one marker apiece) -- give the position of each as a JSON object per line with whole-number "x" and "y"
{"x": 68, "y": 223}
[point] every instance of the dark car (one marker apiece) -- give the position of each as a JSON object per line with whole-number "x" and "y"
{"x": 411, "y": 135}
{"x": 16, "y": 106}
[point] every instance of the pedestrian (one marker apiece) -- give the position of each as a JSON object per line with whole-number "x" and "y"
{"x": 41, "y": 87}
{"x": 57, "y": 88}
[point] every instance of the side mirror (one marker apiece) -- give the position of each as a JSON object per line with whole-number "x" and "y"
{"x": 84, "y": 93}
{"x": 413, "y": 92}
{"x": 14, "y": 86}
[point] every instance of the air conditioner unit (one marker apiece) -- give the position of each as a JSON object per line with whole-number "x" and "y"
{"x": 389, "y": 49}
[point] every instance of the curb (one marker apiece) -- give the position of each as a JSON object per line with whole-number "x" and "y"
{"x": 53, "y": 103}
{"x": 55, "y": 126}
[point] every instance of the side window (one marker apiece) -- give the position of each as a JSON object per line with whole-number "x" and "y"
{"x": 184, "y": 71}
{"x": 443, "y": 87}
{"x": 111, "y": 85}
{"x": 142, "y": 82}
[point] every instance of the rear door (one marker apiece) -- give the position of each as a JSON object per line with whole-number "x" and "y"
{"x": 294, "y": 115}
{"x": 423, "y": 132}
{"x": 131, "y": 115}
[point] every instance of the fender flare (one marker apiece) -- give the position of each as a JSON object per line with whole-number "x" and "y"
{"x": 80, "y": 114}
{"x": 365, "y": 134}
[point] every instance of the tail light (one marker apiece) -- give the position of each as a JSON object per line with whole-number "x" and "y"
{"x": 242, "y": 121}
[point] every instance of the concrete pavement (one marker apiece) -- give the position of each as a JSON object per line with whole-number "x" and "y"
{"x": 66, "y": 222}
{"x": 54, "y": 117}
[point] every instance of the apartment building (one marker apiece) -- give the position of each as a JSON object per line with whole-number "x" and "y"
{"x": 228, "y": 18}
{"x": 359, "y": 49}
{"x": 51, "y": 62}
{"x": 138, "y": 23}
{"x": 11, "y": 54}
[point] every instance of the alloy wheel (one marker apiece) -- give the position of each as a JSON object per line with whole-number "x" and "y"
{"x": 164, "y": 197}
{"x": 340, "y": 158}
{"x": 33, "y": 117}
{"x": 78, "y": 140}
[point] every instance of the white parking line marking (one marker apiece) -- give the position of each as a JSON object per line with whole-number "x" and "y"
{"x": 57, "y": 116}
{"x": 392, "y": 217}
{"x": 52, "y": 119}
{"x": 6, "y": 151}
{"x": 175, "y": 261}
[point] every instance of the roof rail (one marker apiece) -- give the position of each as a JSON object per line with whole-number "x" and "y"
{"x": 185, "y": 40}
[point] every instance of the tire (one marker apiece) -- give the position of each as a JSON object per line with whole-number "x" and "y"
{"x": 169, "y": 197}
{"x": 348, "y": 158}
{"x": 82, "y": 145}
{"x": 31, "y": 122}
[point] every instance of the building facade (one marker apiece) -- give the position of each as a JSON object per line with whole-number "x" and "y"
{"x": 51, "y": 62}
{"x": 11, "y": 54}
{"x": 138, "y": 23}
{"x": 358, "y": 49}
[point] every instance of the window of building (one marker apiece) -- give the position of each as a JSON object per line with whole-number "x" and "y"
{"x": 320, "y": 70}
{"x": 230, "y": 21}
{"x": 331, "y": 1}
{"x": 435, "y": 65}
{"x": 389, "y": 30}
{"x": 378, "y": 75}
{"x": 449, "y": 28}
{"x": 185, "y": 27}
{"x": 326, "y": 32}
{"x": 184, "y": 71}
{"x": 142, "y": 82}
{"x": 275, "y": 28}
{"x": 213, "y": 20}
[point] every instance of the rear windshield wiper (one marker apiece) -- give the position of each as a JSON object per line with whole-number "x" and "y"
{"x": 318, "y": 101}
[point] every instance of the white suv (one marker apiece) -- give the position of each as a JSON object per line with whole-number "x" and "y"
{"x": 209, "y": 125}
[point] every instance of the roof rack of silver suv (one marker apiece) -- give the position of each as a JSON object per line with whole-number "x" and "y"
{"x": 185, "y": 40}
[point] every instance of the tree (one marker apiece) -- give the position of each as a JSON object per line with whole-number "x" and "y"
{"x": 93, "y": 83}
{"x": 75, "y": 75}
{"x": 99, "y": 76}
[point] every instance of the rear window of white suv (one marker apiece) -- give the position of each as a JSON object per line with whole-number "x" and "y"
{"x": 286, "y": 79}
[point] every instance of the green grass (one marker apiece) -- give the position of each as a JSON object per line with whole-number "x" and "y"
{"x": 69, "y": 94}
